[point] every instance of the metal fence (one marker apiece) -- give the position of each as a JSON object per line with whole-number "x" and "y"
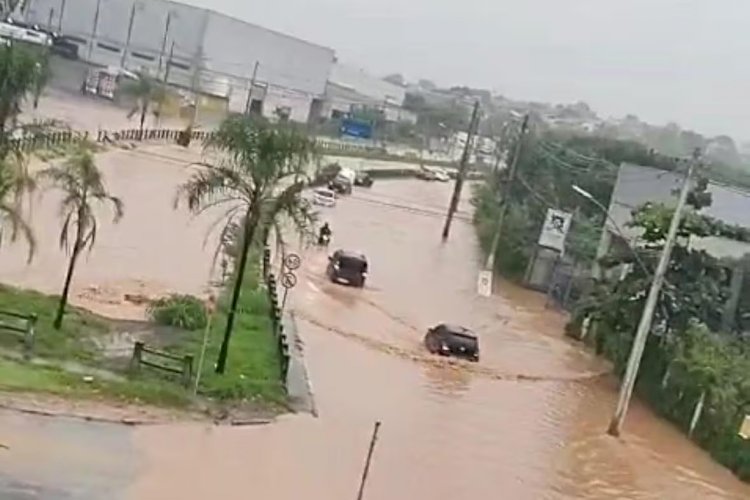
{"x": 276, "y": 314}
{"x": 162, "y": 361}
{"x": 21, "y": 327}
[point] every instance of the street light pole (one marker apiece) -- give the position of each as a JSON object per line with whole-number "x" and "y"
{"x": 473, "y": 126}
{"x": 489, "y": 265}
{"x": 644, "y": 326}
{"x": 619, "y": 230}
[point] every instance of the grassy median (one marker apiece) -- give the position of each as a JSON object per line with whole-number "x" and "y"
{"x": 61, "y": 359}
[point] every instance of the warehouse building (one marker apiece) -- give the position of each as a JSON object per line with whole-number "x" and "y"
{"x": 249, "y": 66}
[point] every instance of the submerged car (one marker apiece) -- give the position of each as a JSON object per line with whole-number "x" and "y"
{"x": 452, "y": 340}
{"x": 363, "y": 179}
{"x": 347, "y": 267}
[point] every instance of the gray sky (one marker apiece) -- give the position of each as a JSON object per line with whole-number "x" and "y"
{"x": 664, "y": 60}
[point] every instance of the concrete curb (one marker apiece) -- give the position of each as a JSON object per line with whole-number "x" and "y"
{"x": 298, "y": 383}
{"x": 132, "y": 421}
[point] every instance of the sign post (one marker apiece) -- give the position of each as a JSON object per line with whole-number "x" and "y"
{"x": 484, "y": 283}
{"x": 555, "y": 230}
{"x": 288, "y": 280}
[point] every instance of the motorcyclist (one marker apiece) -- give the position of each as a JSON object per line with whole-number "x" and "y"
{"x": 325, "y": 234}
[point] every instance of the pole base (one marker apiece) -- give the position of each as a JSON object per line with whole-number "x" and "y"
{"x": 614, "y": 428}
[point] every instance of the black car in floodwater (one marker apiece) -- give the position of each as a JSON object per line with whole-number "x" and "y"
{"x": 363, "y": 179}
{"x": 452, "y": 340}
{"x": 347, "y": 267}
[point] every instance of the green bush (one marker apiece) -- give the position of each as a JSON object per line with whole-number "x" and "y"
{"x": 182, "y": 311}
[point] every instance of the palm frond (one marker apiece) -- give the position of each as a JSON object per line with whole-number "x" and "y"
{"x": 19, "y": 225}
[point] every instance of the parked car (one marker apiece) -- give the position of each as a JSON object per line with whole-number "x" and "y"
{"x": 363, "y": 179}
{"x": 65, "y": 47}
{"x": 452, "y": 340}
{"x": 347, "y": 267}
{"x": 441, "y": 175}
{"x": 426, "y": 174}
{"x": 324, "y": 197}
{"x": 343, "y": 183}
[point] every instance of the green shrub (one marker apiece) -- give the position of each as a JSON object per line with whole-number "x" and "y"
{"x": 182, "y": 311}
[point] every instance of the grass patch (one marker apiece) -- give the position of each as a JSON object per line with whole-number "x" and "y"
{"x": 22, "y": 377}
{"x": 253, "y": 371}
{"x": 72, "y": 342}
{"x": 181, "y": 311}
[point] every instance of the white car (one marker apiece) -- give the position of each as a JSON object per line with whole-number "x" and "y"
{"x": 441, "y": 175}
{"x": 324, "y": 197}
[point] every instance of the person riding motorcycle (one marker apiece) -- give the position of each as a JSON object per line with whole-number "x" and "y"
{"x": 325, "y": 234}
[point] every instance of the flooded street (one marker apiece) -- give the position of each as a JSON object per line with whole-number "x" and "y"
{"x": 527, "y": 422}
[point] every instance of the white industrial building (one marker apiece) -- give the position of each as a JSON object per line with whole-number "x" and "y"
{"x": 218, "y": 53}
{"x": 350, "y": 88}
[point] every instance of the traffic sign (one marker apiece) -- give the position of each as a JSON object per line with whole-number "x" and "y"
{"x": 292, "y": 261}
{"x": 288, "y": 280}
{"x": 484, "y": 283}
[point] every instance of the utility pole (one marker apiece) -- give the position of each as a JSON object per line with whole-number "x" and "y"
{"x": 644, "y": 327}
{"x": 368, "y": 461}
{"x": 249, "y": 102}
{"x": 60, "y": 19}
{"x": 164, "y": 43}
{"x": 93, "y": 29}
{"x": 473, "y": 125}
{"x": 194, "y": 84}
{"x": 126, "y": 49}
{"x": 489, "y": 265}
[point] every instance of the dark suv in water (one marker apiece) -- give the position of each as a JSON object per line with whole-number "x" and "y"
{"x": 347, "y": 267}
{"x": 452, "y": 340}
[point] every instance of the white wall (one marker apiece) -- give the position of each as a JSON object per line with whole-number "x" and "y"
{"x": 294, "y": 71}
{"x": 367, "y": 85}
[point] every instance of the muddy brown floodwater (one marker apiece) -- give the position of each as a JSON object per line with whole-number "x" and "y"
{"x": 527, "y": 422}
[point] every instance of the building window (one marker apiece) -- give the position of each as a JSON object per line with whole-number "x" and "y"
{"x": 76, "y": 39}
{"x": 145, "y": 57}
{"x": 110, "y": 48}
{"x": 179, "y": 65}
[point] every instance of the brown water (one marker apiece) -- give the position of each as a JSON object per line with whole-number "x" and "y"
{"x": 527, "y": 422}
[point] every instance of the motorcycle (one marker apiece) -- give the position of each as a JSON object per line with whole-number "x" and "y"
{"x": 324, "y": 240}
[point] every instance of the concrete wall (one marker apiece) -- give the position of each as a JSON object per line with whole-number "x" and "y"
{"x": 372, "y": 88}
{"x": 637, "y": 185}
{"x": 294, "y": 71}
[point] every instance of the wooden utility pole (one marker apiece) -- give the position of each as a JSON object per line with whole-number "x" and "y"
{"x": 490, "y": 262}
{"x": 473, "y": 125}
{"x": 644, "y": 327}
{"x": 249, "y": 102}
{"x": 366, "y": 471}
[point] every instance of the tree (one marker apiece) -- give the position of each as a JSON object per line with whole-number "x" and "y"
{"x": 259, "y": 175}
{"x": 43, "y": 75}
{"x": 19, "y": 78}
{"x": 146, "y": 90}
{"x": 82, "y": 186}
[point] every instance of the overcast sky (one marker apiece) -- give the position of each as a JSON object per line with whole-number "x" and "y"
{"x": 664, "y": 60}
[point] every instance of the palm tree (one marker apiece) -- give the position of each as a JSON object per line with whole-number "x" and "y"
{"x": 259, "y": 176}
{"x": 20, "y": 77}
{"x": 82, "y": 185}
{"x": 146, "y": 90}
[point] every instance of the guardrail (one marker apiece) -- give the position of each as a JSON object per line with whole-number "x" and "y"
{"x": 48, "y": 140}
{"x": 275, "y": 313}
{"x": 21, "y": 326}
{"x": 178, "y": 365}
{"x": 163, "y": 134}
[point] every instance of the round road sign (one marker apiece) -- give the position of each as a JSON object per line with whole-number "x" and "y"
{"x": 292, "y": 261}
{"x": 288, "y": 280}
